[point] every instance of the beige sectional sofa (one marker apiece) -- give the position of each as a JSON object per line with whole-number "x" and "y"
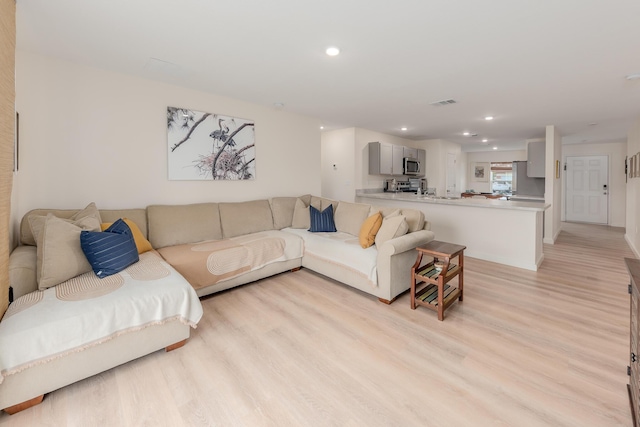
{"x": 217, "y": 246}
{"x": 181, "y": 233}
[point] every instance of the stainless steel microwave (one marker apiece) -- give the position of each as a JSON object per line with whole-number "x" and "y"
{"x": 411, "y": 166}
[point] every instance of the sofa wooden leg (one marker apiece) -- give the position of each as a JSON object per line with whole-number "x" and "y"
{"x": 24, "y": 405}
{"x": 386, "y": 301}
{"x": 295, "y": 269}
{"x": 176, "y": 345}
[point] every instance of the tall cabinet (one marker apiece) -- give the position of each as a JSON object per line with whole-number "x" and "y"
{"x": 536, "y": 151}
{"x": 633, "y": 266}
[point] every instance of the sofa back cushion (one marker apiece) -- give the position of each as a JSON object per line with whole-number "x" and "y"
{"x": 349, "y": 217}
{"x": 240, "y": 218}
{"x": 179, "y": 224}
{"x": 282, "y": 210}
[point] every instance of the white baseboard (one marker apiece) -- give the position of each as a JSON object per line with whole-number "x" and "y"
{"x": 552, "y": 240}
{"x": 633, "y": 248}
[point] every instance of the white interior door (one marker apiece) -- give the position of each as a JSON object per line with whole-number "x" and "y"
{"x": 451, "y": 173}
{"x": 587, "y": 189}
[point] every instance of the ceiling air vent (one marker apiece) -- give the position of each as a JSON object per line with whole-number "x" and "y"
{"x": 443, "y": 103}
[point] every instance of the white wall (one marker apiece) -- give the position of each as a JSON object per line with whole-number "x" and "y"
{"x": 633, "y": 193}
{"x": 488, "y": 157}
{"x": 338, "y": 156}
{"x": 552, "y": 186}
{"x": 339, "y": 146}
{"x": 617, "y": 187}
{"x": 348, "y": 149}
{"x": 94, "y": 135}
{"x": 436, "y": 170}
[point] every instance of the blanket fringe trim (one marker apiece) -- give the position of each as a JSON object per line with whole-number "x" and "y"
{"x": 6, "y": 372}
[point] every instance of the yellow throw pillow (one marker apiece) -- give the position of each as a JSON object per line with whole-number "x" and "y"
{"x": 369, "y": 229}
{"x": 142, "y": 244}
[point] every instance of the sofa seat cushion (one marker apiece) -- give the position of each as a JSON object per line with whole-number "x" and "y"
{"x": 341, "y": 249}
{"x": 86, "y": 311}
{"x": 207, "y": 263}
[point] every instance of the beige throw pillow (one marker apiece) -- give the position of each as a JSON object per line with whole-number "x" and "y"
{"x": 59, "y": 254}
{"x": 28, "y": 238}
{"x": 415, "y": 219}
{"x": 301, "y": 216}
{"x": 392, "y": 227}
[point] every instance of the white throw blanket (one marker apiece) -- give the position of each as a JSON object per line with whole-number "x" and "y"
{"x": 342, "y": 249}
{"x": 86, "y": 311}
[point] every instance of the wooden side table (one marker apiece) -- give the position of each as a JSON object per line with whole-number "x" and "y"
{"x": 437, "y": 295}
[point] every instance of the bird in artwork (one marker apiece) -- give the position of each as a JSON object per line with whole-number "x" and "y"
{"x": 222, "y": 134}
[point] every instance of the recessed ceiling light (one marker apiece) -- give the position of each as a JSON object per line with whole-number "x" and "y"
{"x": 633, "y": 76}
{"x": 592, "y": 124}
{"x": 495, "y": 148}
{"x": 332, "y": 51}
{"x": 278, "y": 105}
{"x": 485, "y": 140}
{"x": 321, "y": 127}
{"x": 489, "y": 118}
{"x": 403, "y": 129}
{"x": 466, "y": 133}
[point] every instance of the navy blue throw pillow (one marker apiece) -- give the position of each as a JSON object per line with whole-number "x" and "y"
{"x": 111, "y": 250}
{"x": 322, "y": 221}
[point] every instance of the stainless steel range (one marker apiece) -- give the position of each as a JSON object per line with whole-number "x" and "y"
{"x": 409, "y": 186}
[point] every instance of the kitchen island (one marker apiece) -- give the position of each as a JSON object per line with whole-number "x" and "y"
{"x": 503, "y": 231}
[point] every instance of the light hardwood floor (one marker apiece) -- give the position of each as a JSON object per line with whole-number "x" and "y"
{"x": 546, "y": 348}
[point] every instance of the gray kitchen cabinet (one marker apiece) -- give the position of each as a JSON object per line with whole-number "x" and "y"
{"x": 536, "y": 159}
{"x": 398, "y": 160}
{"x": 385, "y": 159}
{"x": 410, "y": 152}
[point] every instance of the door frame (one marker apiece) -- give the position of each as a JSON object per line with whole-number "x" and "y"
{"x": 566, "y": 192}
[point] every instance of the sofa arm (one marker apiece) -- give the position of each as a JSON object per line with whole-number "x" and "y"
{"x": 394, "y": 262}
{"x": 405, "y": 243}
{"x": 22, "y": 270}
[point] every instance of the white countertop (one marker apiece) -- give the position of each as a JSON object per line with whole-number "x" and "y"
{"x": 456, "y": 201}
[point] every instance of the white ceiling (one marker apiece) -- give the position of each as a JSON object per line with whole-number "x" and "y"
{"x": 529, "y": 63}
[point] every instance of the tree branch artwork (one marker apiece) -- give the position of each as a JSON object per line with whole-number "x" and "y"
{"x": 205, "y": 146}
